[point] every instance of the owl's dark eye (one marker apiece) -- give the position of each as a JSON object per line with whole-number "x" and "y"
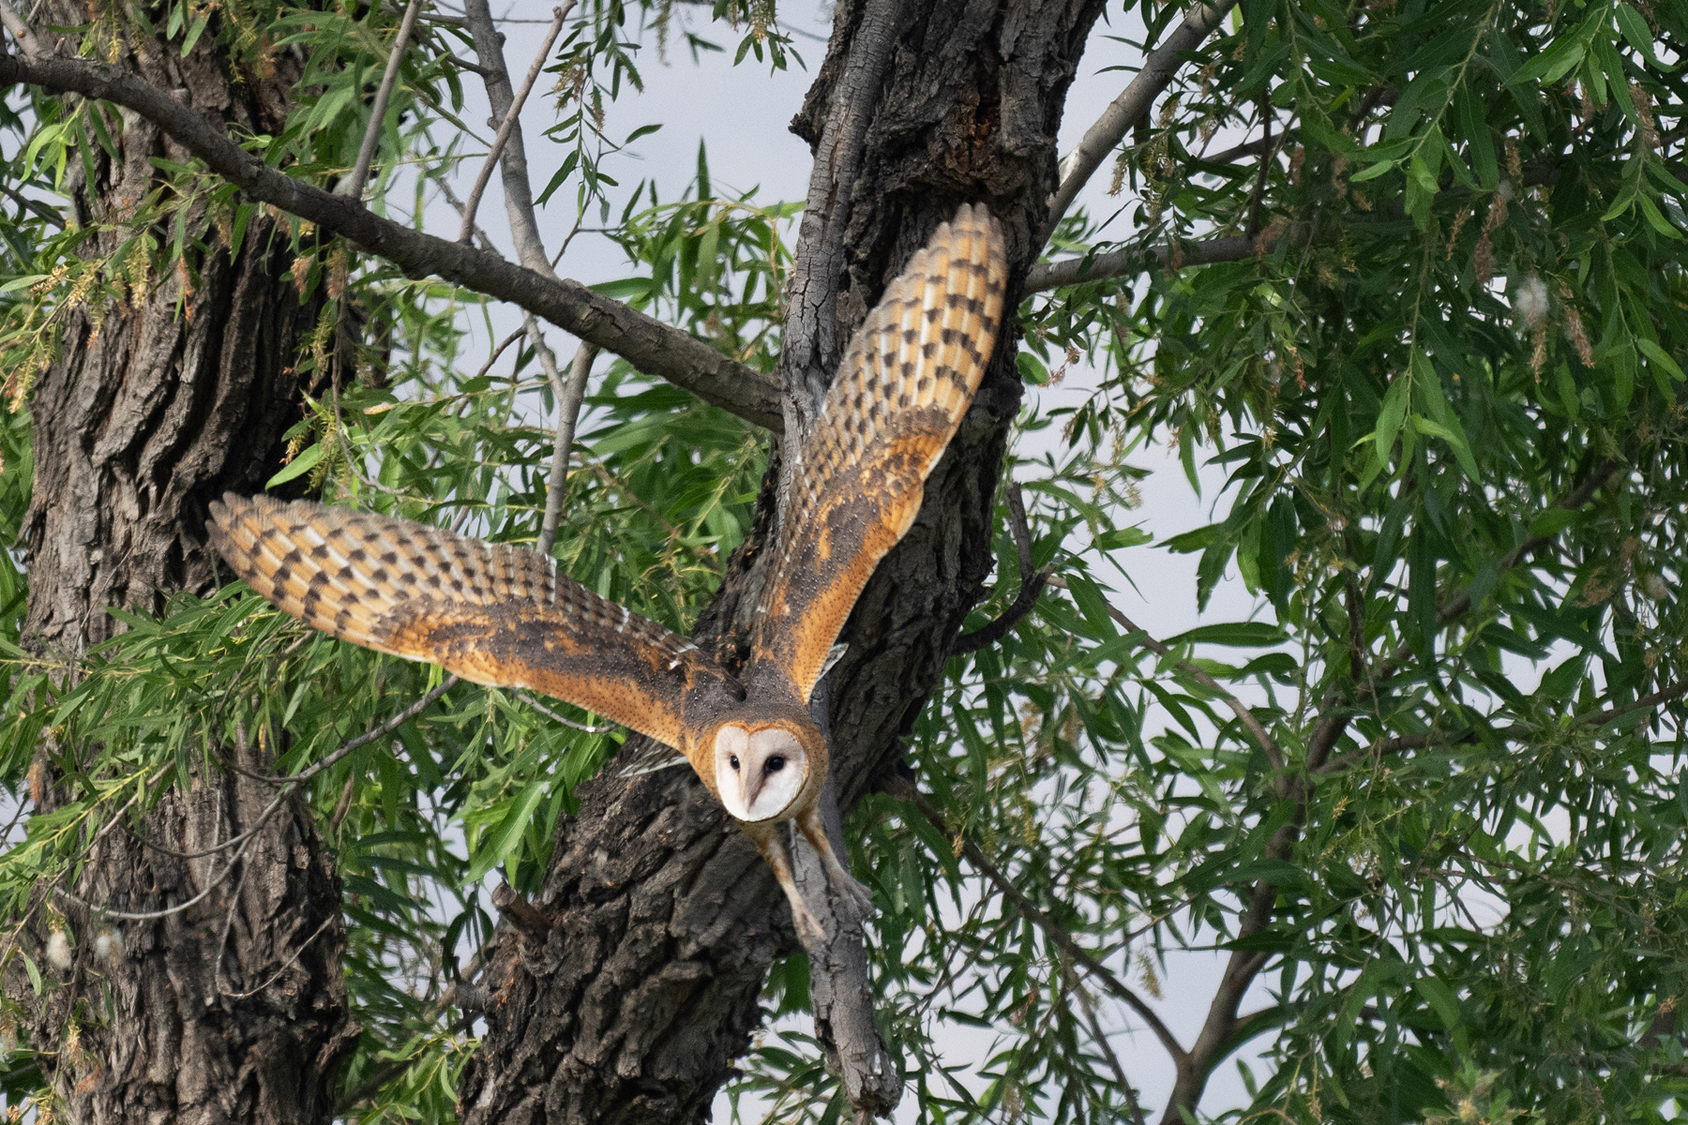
{"x": 734, "y": 760}
{"x": 774, "y": 764}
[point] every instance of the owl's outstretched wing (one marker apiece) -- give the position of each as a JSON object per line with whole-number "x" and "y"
{"x": 906, "y": 380}
{"x": 492, "y": 613}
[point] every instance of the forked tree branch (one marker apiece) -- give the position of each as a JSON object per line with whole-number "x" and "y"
{"x": 1268, "y": 745}
{"x": 1032, "y": 582}
{"x": 509, "y": 125}
{"x": 518, "y": 192}
{"x": 646, "y": 343}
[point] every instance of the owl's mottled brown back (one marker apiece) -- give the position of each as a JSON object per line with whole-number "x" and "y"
{"x": 491, "y": 612}
{"x": 906, "y": 381}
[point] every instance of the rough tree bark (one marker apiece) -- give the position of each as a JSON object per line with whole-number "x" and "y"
{"x": 234, "y": 1009}
{"x": 663, "y": 920}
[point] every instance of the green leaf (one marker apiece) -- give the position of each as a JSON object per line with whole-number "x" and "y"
{"x": 1553, "y": 521}
{"x": 1549, "y": 66}
{"x": 1239, "y": 634}
{"x": 1636, "y": 32}
{"x": 1659, "y": 356}
{"x": 1122, "y": 537}
{"x": 1093, "y": 605}
{"x": 300, "y": 465}
{"x": 194, "y": 32}
{"x": 1373, "y": 171}
{"x": 1441, "y": 998}
{"x": 503, "y": 840}
{"x": 1456, "y": 441}
{"x": 1390, "y": 418}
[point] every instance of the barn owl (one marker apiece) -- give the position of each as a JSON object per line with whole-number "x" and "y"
{"x": 502, "y": 615}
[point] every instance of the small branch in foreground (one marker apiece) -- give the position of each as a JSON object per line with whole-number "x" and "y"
{"x": 601, "y": 728}
{"x": 903, "y": 790}
{"x": 1101, "y": 1038}
{"x": 352, "y": 186}
{"x": 44, "y": 212}
{"x": 508, "y": 125}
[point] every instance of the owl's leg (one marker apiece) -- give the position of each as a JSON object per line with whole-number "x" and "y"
{"x": 772, "y": 846}
{"x": 855, "y": 897}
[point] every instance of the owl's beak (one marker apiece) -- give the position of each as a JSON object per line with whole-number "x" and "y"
{"x": 753, "y": 787}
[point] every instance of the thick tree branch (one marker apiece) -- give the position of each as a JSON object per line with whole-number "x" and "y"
{"x": 1132, "y": 104}
{"x": 646, "y": 343}
{"x": 518, "y": 192}
{"x": 814, "y": 342}
{"x": 15, "y": 23}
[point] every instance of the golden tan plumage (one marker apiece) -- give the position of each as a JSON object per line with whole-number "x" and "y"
{"x": 503, "y": 616}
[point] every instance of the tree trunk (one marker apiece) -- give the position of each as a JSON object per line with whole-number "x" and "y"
{"x": 233, "y": 1009}
{"x": 663, "y": 918}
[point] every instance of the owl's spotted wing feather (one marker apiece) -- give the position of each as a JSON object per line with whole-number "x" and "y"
{"x": 492, "y": 613}
{"x": 906, "y": 380}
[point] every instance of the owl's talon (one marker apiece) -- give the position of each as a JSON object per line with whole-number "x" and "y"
{"x": 855, "y": 898}
{"x": 809, "y": 932}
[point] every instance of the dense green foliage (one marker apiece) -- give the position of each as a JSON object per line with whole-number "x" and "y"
{"x": 1460, "y": 799}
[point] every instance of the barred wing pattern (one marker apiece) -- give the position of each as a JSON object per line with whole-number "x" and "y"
{"x": 492, "y": 613}
{"x": 906, "y": 380}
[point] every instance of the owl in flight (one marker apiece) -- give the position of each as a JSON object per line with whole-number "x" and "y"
{"x": 502, "y": 615}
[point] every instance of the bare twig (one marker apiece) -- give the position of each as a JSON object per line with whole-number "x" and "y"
{"x": 43, "y": 211}
{"x": 352, "y": 186}
{"x": 1133, "y": 260}
{"x": 518, "y": 192}
{"x": 289, "y": 784}
{"x": 602, "y": 728}
{"x": 508, "y": 125}
{"x": 646, "y": 343}
{"x": 1101, "y": 1039}
{"x": 1031, "y": 582}
{"x": 1268, "y": 745}
{"x": 503, "y": 346}
{"x": 15, "y": 23}
{"x": 1132, "y": 104}
{"x": 569, "y": 398}
{"x": 904, "y": 790}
